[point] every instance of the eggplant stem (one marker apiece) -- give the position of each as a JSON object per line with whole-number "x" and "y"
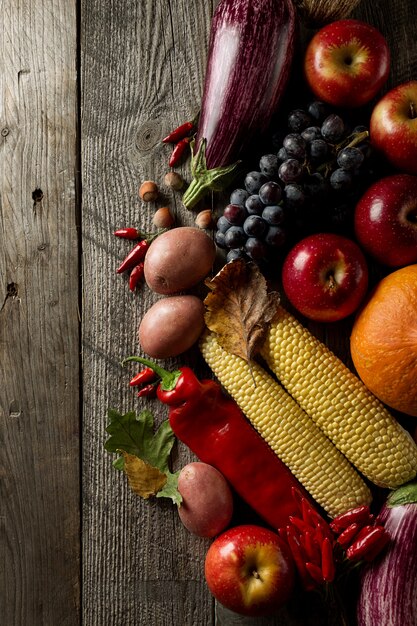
{"x": 205, "y": 180}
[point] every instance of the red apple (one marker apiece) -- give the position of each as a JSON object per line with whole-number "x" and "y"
{"x": 325, "y": 277}
{"x": 393, "y": 127}
{"x": 346, "y": 63}
{"x": 386, "y": 220}
{"x": 249, "y": 570}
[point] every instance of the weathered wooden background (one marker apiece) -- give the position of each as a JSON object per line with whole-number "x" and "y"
{"x": 88, "y": 89}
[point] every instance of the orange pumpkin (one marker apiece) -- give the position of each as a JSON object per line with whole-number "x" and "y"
{"x": 383, "y": 342}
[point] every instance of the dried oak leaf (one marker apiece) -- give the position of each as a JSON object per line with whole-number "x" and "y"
{"x": 239, "y": 308}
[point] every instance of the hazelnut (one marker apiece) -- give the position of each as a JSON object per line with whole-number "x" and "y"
{"x": 148, "y": 191}
{"x": 204, "y": 219}
{"x": 174, "y": 180}
{"x": 163, "y": 218}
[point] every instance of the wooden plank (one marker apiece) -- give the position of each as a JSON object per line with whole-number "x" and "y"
{"x": 39, "y": 338}
{"x": 142, "y": 69}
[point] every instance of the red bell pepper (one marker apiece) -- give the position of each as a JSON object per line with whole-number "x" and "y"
{"x": 215, "y": 429}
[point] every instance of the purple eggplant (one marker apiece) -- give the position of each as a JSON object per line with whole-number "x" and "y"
{"x": 251, "y": 48}
{"x": 388, "y": 592}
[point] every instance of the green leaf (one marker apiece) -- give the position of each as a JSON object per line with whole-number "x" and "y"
{"x": 134, "y": 435}
{"x": 170, "y": 490}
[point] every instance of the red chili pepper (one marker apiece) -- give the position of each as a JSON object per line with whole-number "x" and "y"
{"x": 359, "y": 515}
{"x": 370, "y": 541}
{"x": 149, "y": 391}
{"x": 315, "y": 573}
{"x": 135, "y": 256}
{"x": 215, "y": 429}
{"x": 299, "y": 559}
{"x": 128, "y": 233}
{"x": 179, "y": 133}
{"x": 178, "y": 151}
{"x": 311, "y": 547}
{"x": 146, "y": 375}
{"x": 299, "y": 524}
{"x": 328, "y": 568}
{"x": 346, "y": 536}
{"x": 136, "y": 275}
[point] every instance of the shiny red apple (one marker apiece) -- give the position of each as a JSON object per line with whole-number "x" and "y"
{"x": 325, "y": 277}
{"x": 249, "y": 570}
{"x": 393, "y": 127}
{"x": 386, "y": 220}
{"x": 346, "y": 63}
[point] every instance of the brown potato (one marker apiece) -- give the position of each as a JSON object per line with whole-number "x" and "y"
{"x": 178, "y": 259}
{"x": 207, "y": 504}
{"x": 171, "y": 326}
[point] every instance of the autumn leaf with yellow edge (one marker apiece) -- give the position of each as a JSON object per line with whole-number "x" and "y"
{"x": 239, "y": 308}
{"x": 143, "y": 453}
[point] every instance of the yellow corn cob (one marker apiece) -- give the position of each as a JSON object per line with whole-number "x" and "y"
{"x": 324, "y": 472}
{"x": 359, "y": 425}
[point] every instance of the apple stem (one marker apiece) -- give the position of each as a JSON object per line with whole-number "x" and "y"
{"x": 255, "y": 574}
{"x": 413, "y": 113}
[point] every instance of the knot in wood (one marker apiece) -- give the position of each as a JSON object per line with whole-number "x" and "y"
{"x": 148, "y": 135}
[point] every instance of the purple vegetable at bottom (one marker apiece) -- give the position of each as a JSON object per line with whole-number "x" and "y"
{"x": 251, "y": 48}
{"x": 388, "y": 592}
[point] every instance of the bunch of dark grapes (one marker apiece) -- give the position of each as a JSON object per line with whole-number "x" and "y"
{"x": 310, "y": 183}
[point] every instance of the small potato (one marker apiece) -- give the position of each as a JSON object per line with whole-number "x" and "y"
{"x": 178, "y": 259}
{"x": 171, "y": 326}
{"x": 207, "y": 505}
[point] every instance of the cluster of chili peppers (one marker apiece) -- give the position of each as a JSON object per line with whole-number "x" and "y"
{"x": 311, "y": 542}
{"x": 359, "y": 534}
{"x": 134, "y": 261}
{"x": 318, "y": 547}
{"x": 181, "y": 137}
{"x": 148, "y": 381}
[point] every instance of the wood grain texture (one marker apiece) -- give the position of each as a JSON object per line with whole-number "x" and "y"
{"x": 39, "y": 324}
{"x": 142, "y": 69}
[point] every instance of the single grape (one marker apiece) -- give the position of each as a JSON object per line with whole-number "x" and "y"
{"x": 310, "y": 133}
{"x": 222, "y": 224}
{"x": 315, "y": 185}
{"x": 295, "y": 146}
{"x": 255, "y": 248}
{"x": 282, "y": 154}
{"x": 269, "y": 165}
{"x": 290, "y": 171}
{"x": 238, "y": 196}
{"x": 318, "y": 111}
{"x": 235, "y": 214}
{"x": 254, "y": 226}
{"x": 318, "y": 149}
{"x": 219, "y": 239}
{"x": 298, "y": 120}
{"x": 341, "y": 180}
{"x": 270, "y": 192}
{"x": 350, "y": 158}
{"x": 254, "y": 181}
{"x": 273, "y": 215}
{"x": 294, "y": 196}
{"x": 275, "y": 236}
{"x": 333, "y": 128}
{"x": 235, "y": 253}
{"x": 254, "y": 205}
{"x": 234, "y": 237}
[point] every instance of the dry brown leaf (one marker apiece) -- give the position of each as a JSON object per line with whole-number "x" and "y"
{"x": 144, "y": 479}
{"x": 239, "y": 308}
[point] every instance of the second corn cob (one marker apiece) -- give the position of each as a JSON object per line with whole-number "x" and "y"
{"x": 310, "y": 455}
{"x": 358, "y": 423}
